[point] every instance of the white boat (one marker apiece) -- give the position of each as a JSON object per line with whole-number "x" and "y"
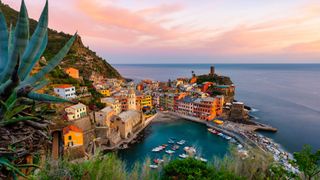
{"x": 227, "y": 137}
{"x": 183, "y": 156}
{"x": 153, "y": 166}
{"x": 170, "y": 151}
{"x": 203, "y": 159}
{"x": 181, "y": 142}
{"x": 171, "y": 141}
{"x": 157, "y": 149}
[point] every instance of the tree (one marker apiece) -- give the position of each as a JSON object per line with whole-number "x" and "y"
{"x": 308, "y": 162}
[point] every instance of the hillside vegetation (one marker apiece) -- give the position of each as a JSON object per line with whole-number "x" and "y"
{"x": 80, "y": 56}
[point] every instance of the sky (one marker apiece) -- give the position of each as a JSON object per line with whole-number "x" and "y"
{"x": 190, "y": 31}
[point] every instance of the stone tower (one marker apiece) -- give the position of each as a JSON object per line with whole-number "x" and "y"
{"x": 131, "y": 100}
{"x": 211, "y": 71}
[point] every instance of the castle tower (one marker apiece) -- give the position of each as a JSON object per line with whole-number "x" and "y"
{"x": 132, "y": 100}
{"x": 211, "y": 71}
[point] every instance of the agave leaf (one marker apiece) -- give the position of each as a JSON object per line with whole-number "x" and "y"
{"x": 46, "y": 98}
{"x": 6, "y": 163}
{"x": 11, "y": 40}
{"x": 20, "y": 42}
{"x": 41, "y": 84}
{"x": 36, "y": 46}
{"x": 52, "y": 63}
{"x": 16, "y": 110}
{"x": 11, "y": 101}
{"x": 7, "y": 122}
{"x": 3, "y": 42}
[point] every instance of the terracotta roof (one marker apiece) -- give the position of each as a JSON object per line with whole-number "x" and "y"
{"x": 64, "y": 86}
{"x": 71, "y": 128}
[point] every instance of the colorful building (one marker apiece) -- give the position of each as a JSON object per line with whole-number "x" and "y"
{"x": 114, "y": 103}
{"x": 76, "y": 111}
{"x": 72, "y": 136}
{"x": 146, "y": 101}
{"x": 105, "y": 92}
{"x": 73, "y": 72}
{"x": 65, "y": 91}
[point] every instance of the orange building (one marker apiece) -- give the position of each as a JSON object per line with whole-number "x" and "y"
{"x": 73, "y": 72}
{"x": 73, "y": 136}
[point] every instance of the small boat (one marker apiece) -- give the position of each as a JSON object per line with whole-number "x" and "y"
{"x": 158, "y": 161}
{"x": 170, "y": 151}
{"x": 171, "y": 141}
{"x": 157, "y": 149}
{"x": 183, "y": 156}
{"x": 181, "y": 142}
{"x": 220, "y": 134}
{"x": 201, "y": 159}
{"x": 233, "y": 140}
{"x": 213, "y": 131}
{"x": 190, "y": 150}
{"x": 153, "y": 166}
{"x": 175, "y": 147}
{"x": 165, "y": 145}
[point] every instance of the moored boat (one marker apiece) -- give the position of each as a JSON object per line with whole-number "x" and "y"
{"x": 181, "y": 142}
{"x": 183, "y": 156}
{"x": 153, "y": 166}
{"x": 170, "y": 151}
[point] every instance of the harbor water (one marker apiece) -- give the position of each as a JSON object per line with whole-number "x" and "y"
{"x": 286, "y": 96}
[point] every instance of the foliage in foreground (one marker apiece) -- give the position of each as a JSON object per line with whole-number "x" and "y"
{"x": 308, "y": 162}
{"x": 191, "y": 168}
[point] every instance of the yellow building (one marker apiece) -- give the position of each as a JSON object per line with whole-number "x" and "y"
{"x": 105, "y": 92}
{"x": 73, "y": 72}
{"x": 146, "y": 101}
{"x": 73, "y": 136}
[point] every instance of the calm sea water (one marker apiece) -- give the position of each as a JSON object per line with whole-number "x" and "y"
{"x": 287, "y": 96}
{"x": 208, "y": 145}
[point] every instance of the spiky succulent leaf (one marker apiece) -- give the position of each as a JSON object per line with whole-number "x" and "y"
{"x": 11, "y": 40}
{"x": 52, "y": 63}
{"x": 6, "y": 163}
{"x": 36, "y": 46}
{"x": 21, "y": 38}
{"x": 41, "y": 84}
{"x": 46, "y": 98}
{"x": 16, "y": 110}
{"x": 3, "y": 42}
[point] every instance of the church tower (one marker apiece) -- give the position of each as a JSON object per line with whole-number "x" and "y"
{"x": 132, "y": 100}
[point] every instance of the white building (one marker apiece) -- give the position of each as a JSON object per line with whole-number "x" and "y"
{"x": 65, "y": 91}
{"x": 76, "y": 111}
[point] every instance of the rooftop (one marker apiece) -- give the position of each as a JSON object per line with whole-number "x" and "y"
{"x": 62, "y": 86}
{"x": 127, "y": 115}
{"x": 77, "y": 106}
{"x": 71, "y": 128}
{"x": 107, "y": 109}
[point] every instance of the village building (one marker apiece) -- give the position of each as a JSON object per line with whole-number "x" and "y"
{"x": 72, "y": 136}
{"x": 65, "y": 91}
{"x": 114, "y": 103}
{"x": 103, "y": 117}
{"x": 73, "y": 72}
{"x": 105, "y": 92}
{"x": 76, "y": 111}
{"x": 128, "y": 123}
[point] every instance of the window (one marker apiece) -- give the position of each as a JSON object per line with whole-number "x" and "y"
{"x": 69, "y": 137}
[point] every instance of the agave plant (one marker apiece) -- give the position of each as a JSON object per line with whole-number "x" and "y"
{"x": 19, "y": 53}
{"x": 18, "y": 56}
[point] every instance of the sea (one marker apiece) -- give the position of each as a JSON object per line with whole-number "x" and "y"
{"x": 286, "y": 96}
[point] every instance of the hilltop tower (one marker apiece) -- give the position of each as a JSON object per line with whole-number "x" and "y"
{"x": 131, "y": 100}
{"x": 211, "y": 71}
